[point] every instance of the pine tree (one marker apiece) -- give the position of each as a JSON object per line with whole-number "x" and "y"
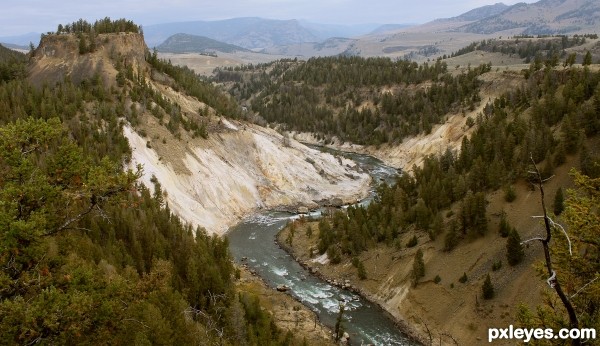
{"x": 504, "y": 227}
{"x": 488, "y": 288}
{"x": 514, "y": 249}
{"x": 559, "y": 204}
{"x": 362, "y": 273}
{"x": 339, "y": 328}
{"x": 587, "y": 59}
{"x": 418, "y": 267}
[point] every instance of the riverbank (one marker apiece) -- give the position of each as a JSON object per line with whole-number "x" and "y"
{"x": 442, "y": 306}
{"x": 303, "y": 247}
{"x": 288, "y": 313}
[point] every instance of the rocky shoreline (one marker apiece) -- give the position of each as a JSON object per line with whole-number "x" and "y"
{"x": 325, "y": 334}
{"x": 402, "y": 325}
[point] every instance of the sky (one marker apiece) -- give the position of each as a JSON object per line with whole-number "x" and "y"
{"x": 25, "y": 16}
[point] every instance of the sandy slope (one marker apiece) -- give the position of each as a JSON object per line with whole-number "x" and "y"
{"x": 214, "y": 183}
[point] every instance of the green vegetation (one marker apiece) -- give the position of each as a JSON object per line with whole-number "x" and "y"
{"x": 364, "y": 101}
{"x": 87, "y": 254}
{"x": 503, "y": 227}
{"x": 102, "y": 26}
{"x": 418, "y": 269}
{"x": 195, "y": 85}
{"x": 528, "y": 47}
{"x": 559, "y": 202}
{"x": 514, "y": 249}
{"x": 497, "y": 265}
{"x": 579, "y": 272}
{"x": 11, "y": 64}
{"x": 555, "y": 111}
{"x": 487, "y": 289}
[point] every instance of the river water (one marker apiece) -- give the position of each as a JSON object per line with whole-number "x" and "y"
{"x": 254, "y": 239}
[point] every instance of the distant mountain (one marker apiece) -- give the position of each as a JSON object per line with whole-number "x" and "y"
{"x": 185, "y": 43}
{"x": 482, "y": 12}
{"x": 250, "y": 33}
{"x": 543, "y": 17}
{"x": 329, "y": 47}
{"x": 389, "y": 27}
{"x": 22, "y": 40}
{"x": 14, "y": 46}
{"x": 326, "y": 31}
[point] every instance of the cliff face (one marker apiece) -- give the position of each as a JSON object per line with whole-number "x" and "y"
{"x": 214, "y": 183}
{"x": 239, "y": 169}
{"x": 58, "y": 57}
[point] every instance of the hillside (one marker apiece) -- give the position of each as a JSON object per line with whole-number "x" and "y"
{"x": 447, "y": 35}
{"x": 205, "y": 182}
{"x": 11, "y": 64}
{"x": 542, "y": 18}
{"x": 375, "y": 248}
{"x": 482, "y": 12}
{"x": 184, "y": 43}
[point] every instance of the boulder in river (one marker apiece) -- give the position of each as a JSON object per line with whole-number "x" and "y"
{"x": 337, "y": 202}
{"x": 302, "y": 210}
{"x": 282, "y": 287}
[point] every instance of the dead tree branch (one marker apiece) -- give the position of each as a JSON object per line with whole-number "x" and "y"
{"x": 552, "y": 280}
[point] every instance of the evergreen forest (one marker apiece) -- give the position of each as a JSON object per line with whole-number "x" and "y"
{"x": 88, "y": 254}
{"x": 359, "y": 100}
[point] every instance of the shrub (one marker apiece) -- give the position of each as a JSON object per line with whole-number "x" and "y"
{"x": 412, "y": 242}
{"x": 559, "y": 202}
{"x": 488, "y": 288}
{"x": 362, "y": 273}
{"x": 509, "y": 194}
{"x": 514, "y": 249}
{"x": 504, "y": 227}
{"x": 418, "y": 267}
{"x": 497, "y": 265}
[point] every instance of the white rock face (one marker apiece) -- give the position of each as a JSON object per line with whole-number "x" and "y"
{"x": 235, "y": 173}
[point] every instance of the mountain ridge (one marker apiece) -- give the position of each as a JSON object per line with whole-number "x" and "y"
{"x": 247, "y": 32}
{"x": 542, "y": 17}
{"x": 186, "y": 43}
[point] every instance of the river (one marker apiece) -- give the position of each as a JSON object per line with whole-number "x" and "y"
{"x": 254, "y": 240}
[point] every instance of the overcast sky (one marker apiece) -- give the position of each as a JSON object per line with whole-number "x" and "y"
{"x": 24, "y": 16}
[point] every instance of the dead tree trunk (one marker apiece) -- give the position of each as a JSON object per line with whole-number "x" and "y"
{"x": 553, "y": 280}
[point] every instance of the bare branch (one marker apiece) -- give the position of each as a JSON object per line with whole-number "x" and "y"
{"x": 586, "y": 285}
{"x": 450, "y": 336}
{"x": 556, "y": 225}
{"x": 134, "y": 320}
{"x": 428, "y": 332}
{"x": 70, "y": 221}
{"x": 545, "y": 180}
{"x": 552, "y": 280}
{"x": 532, "y": 239}
{"x": 564, "y": 232}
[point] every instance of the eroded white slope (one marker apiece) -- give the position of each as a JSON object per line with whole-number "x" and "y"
{"x": 237, "y": 172}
